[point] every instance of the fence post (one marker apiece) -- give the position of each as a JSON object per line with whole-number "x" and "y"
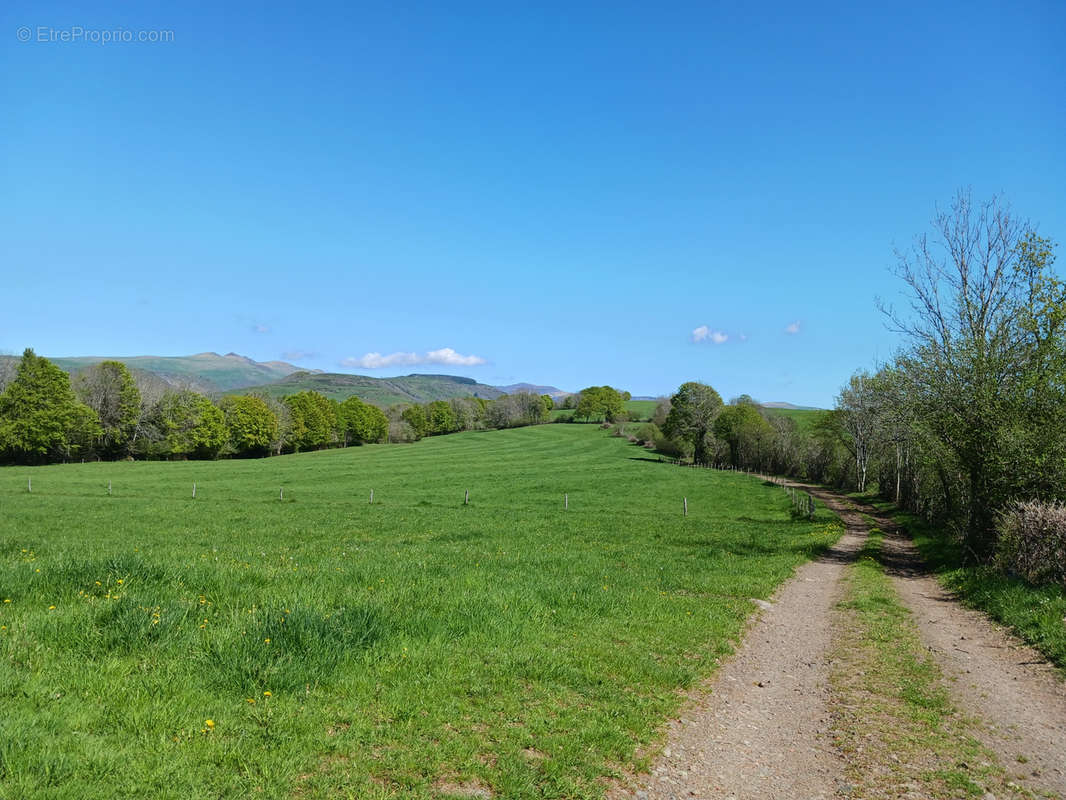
{"x": 566, "y": 502}
{"x": 684, "y": 502}
{"x": 194, "y": 491}
{"x": 466, "y": 499}
{"x": 371, "y": 497}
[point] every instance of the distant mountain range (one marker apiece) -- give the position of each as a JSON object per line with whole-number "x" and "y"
{"x": 379, "y": 391}
{"x": 216, "y": 374}
{"x": 205, "y": 372}
{"x": 533, "y": 388}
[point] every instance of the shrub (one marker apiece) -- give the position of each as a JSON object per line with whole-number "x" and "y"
{"x": 1032, "y": 542}
{"x": 676, "y": 448}
{"x": 648, "y": 433}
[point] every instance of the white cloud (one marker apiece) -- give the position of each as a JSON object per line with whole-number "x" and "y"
{"x": 260, "y": 328}
{"x": 703, "y": 333}
{"x": 445, "y": 356}
{"x": 793, "y": 329}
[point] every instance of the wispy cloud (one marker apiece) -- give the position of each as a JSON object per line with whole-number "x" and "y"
{"x": 260, "y": 328}
{"x": 793, "y": 328}
{"x": 445, "y": 356}
{"x": 298, "y": 355}
{"x": 705, "y": 334}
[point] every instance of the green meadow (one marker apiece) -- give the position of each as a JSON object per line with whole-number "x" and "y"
{"x": 241, "y": 644}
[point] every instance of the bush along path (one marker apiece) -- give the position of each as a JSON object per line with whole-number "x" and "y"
{"x": 864, "y": 679}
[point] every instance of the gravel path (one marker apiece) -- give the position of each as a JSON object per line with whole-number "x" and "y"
{"x": 758, "y": 728}
{"x": 991, "y": 675}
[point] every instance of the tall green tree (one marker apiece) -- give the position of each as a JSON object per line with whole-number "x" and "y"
{"x": 693, "y": 410}
{"x": 40, "y": 417}
{"x": 108, "y": 389}
{"x": 314, "y": 421}
{"x": 415, "y": 416}
{"x": 601, "y": 401}
{"x": 440, "y": 418}
{"x": 747, "y": 433}
{"x": 361, "y": 422}
{"x": 251, "y": 424}
{"x": 189, "y": 425}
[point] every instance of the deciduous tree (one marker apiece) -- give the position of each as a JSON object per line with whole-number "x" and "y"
{"x": 693, "y": 410}
{"x": 109, "y": 390}
{"x": 40, "y": 417}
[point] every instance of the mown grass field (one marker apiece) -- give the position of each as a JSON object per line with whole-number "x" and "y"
{"x": 805, "y": 418}
{"x": 240, "y": 645}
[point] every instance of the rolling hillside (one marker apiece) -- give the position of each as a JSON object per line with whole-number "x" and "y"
{"x": 379, "y": 391}
{"x": 206, "y": 372}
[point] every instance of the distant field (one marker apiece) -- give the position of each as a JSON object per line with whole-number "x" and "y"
{"x": 638, "y": 410}
{"x": 805, "y": 418}
{"x": 641, "y": 409}
{"x": 238, "y": 645}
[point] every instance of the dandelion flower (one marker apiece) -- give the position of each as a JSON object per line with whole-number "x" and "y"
{"x": 51, "y": 608}
{"x": 266, "y": 641}
{"x": 209, "y": 723}
{"x": 267, "y": 693}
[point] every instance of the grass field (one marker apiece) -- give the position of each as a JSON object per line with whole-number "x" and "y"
{"x": 237, "y": 644}
{"x": 805, "y": 418}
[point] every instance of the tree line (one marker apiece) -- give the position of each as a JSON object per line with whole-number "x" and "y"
{"x": 107, "y": 412}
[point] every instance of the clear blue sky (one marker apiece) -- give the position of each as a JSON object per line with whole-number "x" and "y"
{"x": 565, "y": 191}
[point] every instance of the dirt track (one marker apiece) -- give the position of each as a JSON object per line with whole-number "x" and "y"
{"x": 760, "y": 727}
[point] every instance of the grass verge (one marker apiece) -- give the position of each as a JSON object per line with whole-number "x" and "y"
{"x": 893, "y": 719}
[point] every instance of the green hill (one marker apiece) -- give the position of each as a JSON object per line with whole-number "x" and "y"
{"x": 207, "y": 372}
{"x": 379, "y": 391}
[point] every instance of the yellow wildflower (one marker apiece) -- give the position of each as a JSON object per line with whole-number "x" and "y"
{"x": 267, "y": 693}
{"x": 210, "y": 723}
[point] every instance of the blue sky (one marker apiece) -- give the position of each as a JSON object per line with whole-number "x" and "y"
{"x": 558, "y": 193}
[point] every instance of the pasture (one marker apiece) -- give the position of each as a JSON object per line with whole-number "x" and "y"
{"x": 240, "y": 644}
